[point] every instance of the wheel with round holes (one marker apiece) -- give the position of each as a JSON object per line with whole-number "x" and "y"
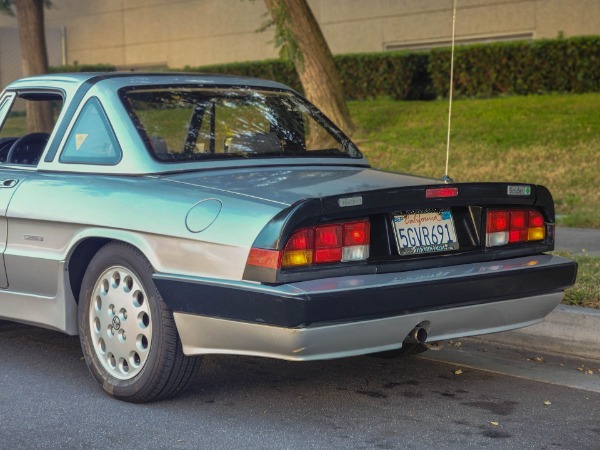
{"x": 127, "y": 334}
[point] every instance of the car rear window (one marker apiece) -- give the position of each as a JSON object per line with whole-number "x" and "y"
{"x": 191, "y": 124}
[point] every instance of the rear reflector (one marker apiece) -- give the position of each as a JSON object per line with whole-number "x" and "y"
{"x": 514, "y": 226}
{"x": 270, "y": 259}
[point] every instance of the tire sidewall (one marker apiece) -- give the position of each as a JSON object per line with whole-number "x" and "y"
{"x": 121, "y": 255}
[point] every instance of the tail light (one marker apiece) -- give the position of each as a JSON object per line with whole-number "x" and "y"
{"x": 514, "y": 226}
{"x": 299, "y": 249}
{"x": 331, "y": 243}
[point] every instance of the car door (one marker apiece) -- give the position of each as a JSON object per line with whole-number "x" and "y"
{"x": 8, "y": 183}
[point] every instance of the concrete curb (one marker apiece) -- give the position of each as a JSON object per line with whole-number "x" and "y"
{"x": 568, "y": 330}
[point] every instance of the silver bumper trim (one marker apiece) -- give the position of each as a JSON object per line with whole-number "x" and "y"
{"x": 205, "y": 335}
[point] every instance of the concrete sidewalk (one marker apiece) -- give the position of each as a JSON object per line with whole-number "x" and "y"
{"x": 568, "y": 330}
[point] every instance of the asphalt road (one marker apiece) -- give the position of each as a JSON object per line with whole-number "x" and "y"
{"x": 48, "y": 400}
{"x": 583, "y": 241}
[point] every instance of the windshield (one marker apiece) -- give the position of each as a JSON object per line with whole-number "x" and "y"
{"x": 191, "y": 124}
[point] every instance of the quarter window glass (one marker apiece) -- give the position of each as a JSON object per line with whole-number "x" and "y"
{"x": 92, "y": 140}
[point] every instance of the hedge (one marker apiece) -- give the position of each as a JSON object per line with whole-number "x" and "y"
{"x": 401, "y": 76}
{"x": 481, "y": 70}
{"x": 271, "y": 69}
{"x": 397, "y": 75}
{"x": 83, "y": 68}
{"x": 534, "y": 67}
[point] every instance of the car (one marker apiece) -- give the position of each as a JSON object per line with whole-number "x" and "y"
{"x": 162, "y": 217}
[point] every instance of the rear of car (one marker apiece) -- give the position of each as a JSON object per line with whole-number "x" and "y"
{"x": 374, "y": 271}
{"x": 193, "y": 214}
{"x": 357, "y": 261}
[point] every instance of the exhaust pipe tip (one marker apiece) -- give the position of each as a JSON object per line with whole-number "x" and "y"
{"x": 417, "y": 336}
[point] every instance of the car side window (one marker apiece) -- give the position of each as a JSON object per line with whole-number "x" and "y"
{"x": 27, "y": 119}
{"x": 92, "y": 139}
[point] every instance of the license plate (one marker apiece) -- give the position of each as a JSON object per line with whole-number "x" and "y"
{"x": 419, "y": 232}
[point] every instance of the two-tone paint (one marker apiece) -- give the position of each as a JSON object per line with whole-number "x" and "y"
{"x": 196, "y": 223}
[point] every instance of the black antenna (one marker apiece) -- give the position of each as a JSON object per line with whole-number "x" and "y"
{"x": 446, "y": 178}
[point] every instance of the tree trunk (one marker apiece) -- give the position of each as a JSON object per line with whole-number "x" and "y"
{"x": 34, "y": 57}
{"x": 313, "y": 60}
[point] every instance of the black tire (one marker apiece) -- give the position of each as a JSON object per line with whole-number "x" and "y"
{"x": 127, "y": 333}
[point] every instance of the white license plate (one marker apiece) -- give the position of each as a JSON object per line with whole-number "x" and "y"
{"x": 425, "y": 232}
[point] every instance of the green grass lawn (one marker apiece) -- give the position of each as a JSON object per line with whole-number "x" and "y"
{"x": 552, "y": 140}
{"x": 586, "y": 291}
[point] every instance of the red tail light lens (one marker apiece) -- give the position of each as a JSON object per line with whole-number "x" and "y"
{"x": 328, "y": 243}
{"x": 498, "y": 221}
{"x": 518, "y": 220}
{"x": 514, "y": 226}
{"x": 301, "y": 240}
{"x": 299, "y": 249}
{"x": 357, "y": 233}
{"x": 535, "y": 219}
{"x": 328, "y": 255}
{"x": 328, "y": 236}
{"x": 339, "y": 242}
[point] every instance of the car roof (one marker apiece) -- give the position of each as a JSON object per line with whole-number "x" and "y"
{"x": 77, "y": 88}
{"x": 72, "y": 81}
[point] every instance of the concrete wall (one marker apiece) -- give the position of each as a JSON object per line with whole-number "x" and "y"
{"x": 176, "y": 33}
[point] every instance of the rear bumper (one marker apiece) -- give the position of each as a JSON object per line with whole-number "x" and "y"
{"x": 352, "y": 315}
{"x": 205, "y": 335}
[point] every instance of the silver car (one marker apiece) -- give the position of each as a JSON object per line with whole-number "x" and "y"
{"x": 166, "y": 216}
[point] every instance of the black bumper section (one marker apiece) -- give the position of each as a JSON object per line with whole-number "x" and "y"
{"x": 234, "y": 303}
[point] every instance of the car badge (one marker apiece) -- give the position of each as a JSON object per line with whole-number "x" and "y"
{"x": 519, "y": 190}
{"x": 350, "y": 201}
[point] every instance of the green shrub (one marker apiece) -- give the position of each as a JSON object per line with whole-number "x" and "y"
{"x": 69, "y": 68}
{"x": 367, "y": 75}
{"x": 481, "y": 70}
{"x": 271, "y": 69}
{"x": 401, "y": 76}
{"x": 533, "y": 67}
